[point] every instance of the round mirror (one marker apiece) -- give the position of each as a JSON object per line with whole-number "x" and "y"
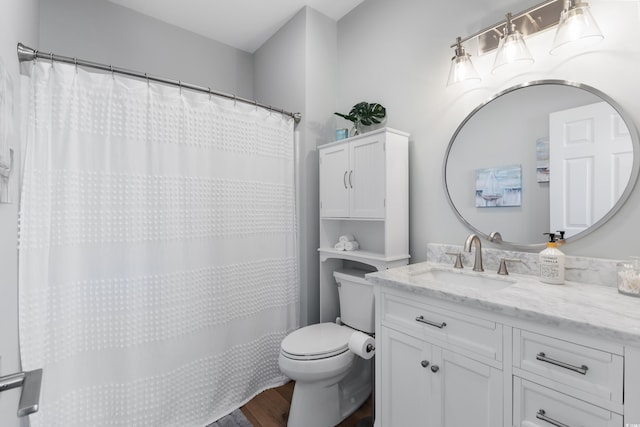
{"x": 541, "y": 157}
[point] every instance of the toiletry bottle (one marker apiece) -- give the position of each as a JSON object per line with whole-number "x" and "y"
{"x": 551, "y": 263}
{"x": 560, "y": 240}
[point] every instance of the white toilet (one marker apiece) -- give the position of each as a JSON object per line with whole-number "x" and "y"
{"x": 331, "y": 381}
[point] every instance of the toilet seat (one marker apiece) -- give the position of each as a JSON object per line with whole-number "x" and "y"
{"x": 318, "y": 341}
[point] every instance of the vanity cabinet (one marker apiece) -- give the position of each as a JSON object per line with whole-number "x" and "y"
{"x": 445, "y": 364}
{"x": 439, "y": 368}
{"x": 566, "y": 382}
{"x": 364, "y": 191}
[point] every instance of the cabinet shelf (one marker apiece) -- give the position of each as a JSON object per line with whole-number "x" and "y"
{"x": 362, "y": 256}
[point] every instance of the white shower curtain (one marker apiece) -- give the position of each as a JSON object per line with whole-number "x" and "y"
{"x": 158, "y": 262}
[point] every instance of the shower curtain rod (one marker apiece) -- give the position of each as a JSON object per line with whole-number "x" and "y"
{"x": 26, "y": 53}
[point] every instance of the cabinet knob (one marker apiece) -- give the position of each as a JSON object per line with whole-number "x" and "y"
{"x": 435, "y": 368}
{"x": 424, "y": 363}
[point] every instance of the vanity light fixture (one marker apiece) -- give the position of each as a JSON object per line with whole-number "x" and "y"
{"x": 511, "y": 49}
{"x": 576, "y": 26}
{"x": 462, "y": 68}
{"x": 573, "y": 18}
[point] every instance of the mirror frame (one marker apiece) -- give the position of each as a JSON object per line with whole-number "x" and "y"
{"x": 633, "y": 178}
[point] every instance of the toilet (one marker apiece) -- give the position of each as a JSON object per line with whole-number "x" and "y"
{"x": 331, "y": 381}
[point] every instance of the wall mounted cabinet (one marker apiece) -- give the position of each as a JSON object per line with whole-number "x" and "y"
{"x": 352, "y": 177}
{"x": 364, "y": 191}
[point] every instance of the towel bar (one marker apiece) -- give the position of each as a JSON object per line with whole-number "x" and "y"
{"x": 30, "y": 382}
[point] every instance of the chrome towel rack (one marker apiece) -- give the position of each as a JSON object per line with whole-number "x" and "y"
{"x": 30, "y": 382}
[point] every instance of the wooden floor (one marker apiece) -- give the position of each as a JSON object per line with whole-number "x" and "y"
{"x": 271, "y": 408}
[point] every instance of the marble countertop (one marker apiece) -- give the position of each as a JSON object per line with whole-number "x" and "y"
{"x": 599, "y": 311}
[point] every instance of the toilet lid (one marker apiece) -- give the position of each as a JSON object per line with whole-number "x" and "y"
{"x": 317, "y": 341}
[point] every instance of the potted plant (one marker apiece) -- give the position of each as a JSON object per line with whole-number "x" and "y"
{"x": 364, "y": 114}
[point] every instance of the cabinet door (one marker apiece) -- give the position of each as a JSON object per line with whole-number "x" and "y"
{"x": 405, "y": 383}
{"x": 334, "y": 174}
{"x": 466, "y": 392}
{"x": 366, "y": 178}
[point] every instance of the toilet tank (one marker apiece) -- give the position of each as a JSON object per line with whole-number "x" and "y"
{"x": 356, "y": 299}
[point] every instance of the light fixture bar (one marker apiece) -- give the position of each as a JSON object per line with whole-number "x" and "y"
{"x": 537, "y": 18}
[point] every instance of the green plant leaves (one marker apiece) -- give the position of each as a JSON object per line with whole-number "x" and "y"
{"x": 365, "y": 113}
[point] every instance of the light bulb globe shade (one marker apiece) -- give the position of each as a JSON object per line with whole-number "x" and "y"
{"x": 512, "y": 50}
{"x": 461, "y": 70}
{"x": 577, "y": 29}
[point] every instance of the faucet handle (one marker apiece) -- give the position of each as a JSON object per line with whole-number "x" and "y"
{"x": 503, "y": 265}
{"x": 495, "y": 237}
{"x": 458, "y": 256}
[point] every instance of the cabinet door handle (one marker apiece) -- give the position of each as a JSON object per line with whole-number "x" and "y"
{"x": 579, "y": 369}
{"x": 344, "y": 180}
{"x": 424, "y": 363}
{"x": 350, "y": 183}
{"x": 541, "y": 415}
{"x": 435, "y": 368}
{"x": 421, "y": 319}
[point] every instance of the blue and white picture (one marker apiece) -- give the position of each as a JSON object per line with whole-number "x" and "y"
{"x": 499, "y": 187}
{"x": 542, "y": 160}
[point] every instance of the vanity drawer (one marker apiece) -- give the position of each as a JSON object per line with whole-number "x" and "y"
{"x": 535, "y": 405}
{"x": 431, "y": 323}
{"x": 595, "y": 372}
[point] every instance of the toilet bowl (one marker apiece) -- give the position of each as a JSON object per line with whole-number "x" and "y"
{"x": 331, "y": 381}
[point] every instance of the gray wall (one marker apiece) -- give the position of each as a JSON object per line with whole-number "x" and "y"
{"x": 296, "y": 69}
{"x": 397, "y": 53}
{"x": 101, "y": 31}
{"x": 18, "y": 23}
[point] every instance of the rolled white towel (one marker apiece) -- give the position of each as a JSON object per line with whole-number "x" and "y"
{"x": 346, "y": 238}
{"x": 351, "y": 246}
{"x": 339, "y": 246}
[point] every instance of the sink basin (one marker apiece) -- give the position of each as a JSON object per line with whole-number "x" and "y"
{"x": 466, "y": 280}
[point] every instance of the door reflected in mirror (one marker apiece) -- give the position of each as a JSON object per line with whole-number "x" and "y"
{"x": 577, "y": 152}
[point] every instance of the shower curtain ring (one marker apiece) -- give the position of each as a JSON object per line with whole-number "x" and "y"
{"x": 35, "y": 56}
{"x": 75, "y": 63}
{"x": 51, "y": 58}
{"x": 209, "y": 93}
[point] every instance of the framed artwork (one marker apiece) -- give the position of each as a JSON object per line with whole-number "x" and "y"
{"x": 499, "y": 186}
{"x": 542, "y": 160}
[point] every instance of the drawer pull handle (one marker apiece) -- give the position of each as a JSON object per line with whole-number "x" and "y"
{"x": 579, "y": 369}
{"x": 421, "y": 319}
{"x": 435, "y": 368}
{"x": 344, "y": 180}
{"x": 424, "y": 363}
{"x": 542, "y": 415}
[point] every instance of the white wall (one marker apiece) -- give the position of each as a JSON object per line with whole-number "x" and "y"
{"x": 397, "y": 53}
{"x": 295, "y": 69}
{"x": 104, "y": 32}
{"x": 18, "y": 23}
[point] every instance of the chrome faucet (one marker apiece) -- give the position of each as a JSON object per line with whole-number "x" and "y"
{"x": 473, "y": 238}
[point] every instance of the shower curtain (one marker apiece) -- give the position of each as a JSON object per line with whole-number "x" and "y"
{"x": 158, "y": 262}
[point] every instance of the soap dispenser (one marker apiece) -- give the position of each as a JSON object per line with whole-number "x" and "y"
{"x": 561, "y": 241}
{"x": 551, "y": 261}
